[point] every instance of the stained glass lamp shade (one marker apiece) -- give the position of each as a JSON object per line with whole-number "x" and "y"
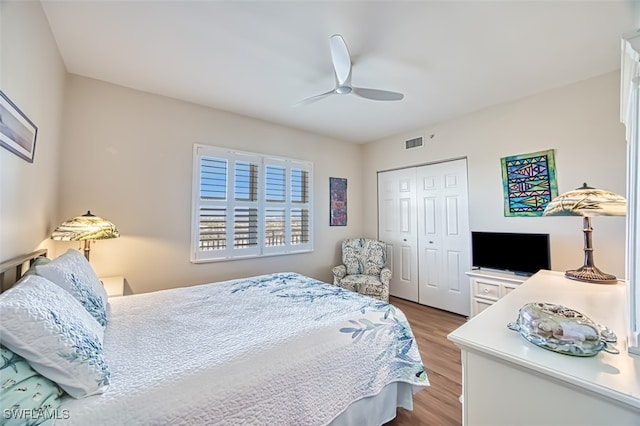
{"x": 87, "y": 228}
{"x": 586, "y": 202}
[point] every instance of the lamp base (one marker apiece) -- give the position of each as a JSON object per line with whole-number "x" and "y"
{"x": 591, "y": 274}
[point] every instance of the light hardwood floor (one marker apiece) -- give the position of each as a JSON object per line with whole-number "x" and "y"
{"x": 437, "y": 405}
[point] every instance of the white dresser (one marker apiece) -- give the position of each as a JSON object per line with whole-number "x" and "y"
{"x": 509, "y": 381}
{"x": 489, "y": 286}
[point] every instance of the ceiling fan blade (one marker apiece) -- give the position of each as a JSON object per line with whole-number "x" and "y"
{"x": 341, "y": 59}
{"x": 377, "y": 95}
{"x": 315, "y": 98}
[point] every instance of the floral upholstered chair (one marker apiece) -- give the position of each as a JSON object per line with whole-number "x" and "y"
{"x": 364, "y": 268}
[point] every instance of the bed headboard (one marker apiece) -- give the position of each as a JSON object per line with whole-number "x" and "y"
{"x": 11, "y": 270}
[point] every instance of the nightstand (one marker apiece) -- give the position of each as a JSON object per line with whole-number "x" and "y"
{"x": 113, "y": 285}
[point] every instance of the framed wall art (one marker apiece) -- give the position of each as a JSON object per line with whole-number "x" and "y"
{"x": 17, "y": 132}
{"x": 338, "y": 201}
{"x": 529, "y": 183}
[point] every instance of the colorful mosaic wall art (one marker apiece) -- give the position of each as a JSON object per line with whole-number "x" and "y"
{"x": 529, "y": 183}
{"x": 338, "y": 202}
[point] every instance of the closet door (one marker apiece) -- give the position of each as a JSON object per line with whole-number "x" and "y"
{"x": 443, "y": 236}
{"x": 397, "y": 227}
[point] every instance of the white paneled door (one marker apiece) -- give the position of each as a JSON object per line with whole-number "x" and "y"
{"x": 443, "y": 236}
{"x": 398, "y": 228}
{"x": 424, "y": 219}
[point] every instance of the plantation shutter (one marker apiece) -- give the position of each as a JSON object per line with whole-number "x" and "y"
{"x": 249, "y": 205}
{"x": 275, "y": 204}
{"x": 300, "y": 200}
{"x": 212, "y": 212}
{"x": 245, "y": 217}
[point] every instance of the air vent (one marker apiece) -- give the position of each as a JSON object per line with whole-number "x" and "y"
{"x": 414, "y": 143}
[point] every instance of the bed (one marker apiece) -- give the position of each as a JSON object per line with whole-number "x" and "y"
{"x": 281, "y": 349}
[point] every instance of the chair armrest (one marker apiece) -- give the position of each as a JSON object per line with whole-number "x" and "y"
{"x": 384, "y": 294}
{"x": 385, "y": 276}
{"x": 339, "y": 271}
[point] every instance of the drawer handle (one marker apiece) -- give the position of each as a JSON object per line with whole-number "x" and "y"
{"x": 485, "y": 291}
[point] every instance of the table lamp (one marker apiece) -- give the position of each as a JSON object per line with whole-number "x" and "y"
{"x": 87, "y": 228}
{"x": 586, "y": 202}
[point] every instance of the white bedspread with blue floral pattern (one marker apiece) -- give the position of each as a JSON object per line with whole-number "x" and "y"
{"x": 279, "y": 349}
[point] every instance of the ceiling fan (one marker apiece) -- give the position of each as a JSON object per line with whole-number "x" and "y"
{"x": 342, "y": 70}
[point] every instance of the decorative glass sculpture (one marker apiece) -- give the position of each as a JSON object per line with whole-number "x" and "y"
{"x": 564, "y": 330}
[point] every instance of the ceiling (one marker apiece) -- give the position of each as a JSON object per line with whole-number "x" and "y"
{"x": 260, "y": 58}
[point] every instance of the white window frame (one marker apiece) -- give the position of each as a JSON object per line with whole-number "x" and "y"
{"x": 199, "y": 255}
{"x": 630, "y": 116}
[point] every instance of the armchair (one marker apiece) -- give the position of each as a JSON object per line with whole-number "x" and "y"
{"x": 364, "y": 268}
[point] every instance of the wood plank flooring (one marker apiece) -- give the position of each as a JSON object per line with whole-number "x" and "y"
{"x": 439, "y": 404}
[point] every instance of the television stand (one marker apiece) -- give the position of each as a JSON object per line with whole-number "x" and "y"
{"x": 489, "y": 286}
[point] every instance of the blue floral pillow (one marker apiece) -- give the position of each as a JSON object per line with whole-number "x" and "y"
{"x": 72, "y": 271}
{"x": 40, "y": 260}
{"x": 50, "y": 329}
{"x": 26, "y": 395}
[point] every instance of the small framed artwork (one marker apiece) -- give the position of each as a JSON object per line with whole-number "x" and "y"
{"x": 17, "y": 132}
{"x": 529, "y": 183}
{"x": 338, "y": 201}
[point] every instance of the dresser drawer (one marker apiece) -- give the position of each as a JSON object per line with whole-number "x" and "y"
{"x": 487, "y": 290}
{"x": 480, "y": 305}
{"x": 508, "y": 288}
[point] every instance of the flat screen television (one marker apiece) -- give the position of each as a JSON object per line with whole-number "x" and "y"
{"x": 520, "y": 253}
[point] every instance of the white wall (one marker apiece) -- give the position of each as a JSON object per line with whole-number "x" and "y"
{"x": 127, "y": 156}
{"x": 580, "y": 121}
{"x": 32, "y": 75}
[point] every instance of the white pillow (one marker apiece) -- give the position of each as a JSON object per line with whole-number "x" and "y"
{"x": 72, "y": 271}
{"x": 51, "y": 330}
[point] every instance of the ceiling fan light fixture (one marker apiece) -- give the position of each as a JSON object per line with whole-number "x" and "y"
{"x": 342, "y": 73}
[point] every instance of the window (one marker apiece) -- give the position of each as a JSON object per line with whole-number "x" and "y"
{"x": 248, "y": 205}
{"x": 629, "y": 115}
